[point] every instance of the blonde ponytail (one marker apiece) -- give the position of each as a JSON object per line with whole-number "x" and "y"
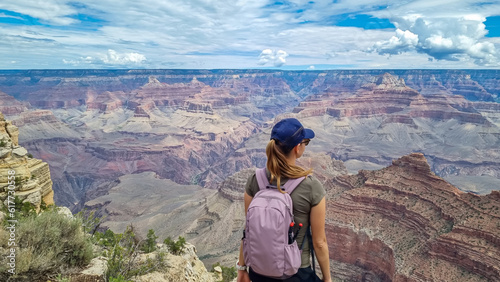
{"x": 278, "y": 165}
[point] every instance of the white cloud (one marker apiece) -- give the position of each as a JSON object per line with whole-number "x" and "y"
{"x": 49, "y": 11}
{"x": 3, "y": 15}
{"x": 278, "y": 58}
{"x": 112, "y": 58}
{"x": 230, "y": 34}
{"x": 450, "y": 38}
{"x": 403, "y": 41}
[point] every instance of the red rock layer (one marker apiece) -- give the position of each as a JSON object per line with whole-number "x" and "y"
{"x": 403, "y": 223}
{"x": 10, "y": 106}
{"x": 36, "y": 116}
{"x": 164, "y": 94}
{"x": 390, "y": 96}
{"x": 105, "y": 102}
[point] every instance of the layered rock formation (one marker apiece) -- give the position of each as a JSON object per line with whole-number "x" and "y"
{"x": 386, "y": 119}
{"x": 473, "y": 85}
{"x": 400, "y": 223}
{"x": 31, "y": 177}
{"x": 159, "y": 127}
{"x": 109, "y": 123}
{"x": 403, "y": 223}
{"x": 10, "y": 106}
{"x": 390, "y": 96}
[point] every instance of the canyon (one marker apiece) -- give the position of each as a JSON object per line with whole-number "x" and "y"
{"x": 409, "y": 158}
{"x": 403, "y": 223}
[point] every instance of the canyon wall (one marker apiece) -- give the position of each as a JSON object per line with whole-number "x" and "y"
{"x": 403, "y": 223}
{"x": 201, "y": 126}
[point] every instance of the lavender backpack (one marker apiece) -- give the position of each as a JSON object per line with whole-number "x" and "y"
{"x": 269, "y": 245}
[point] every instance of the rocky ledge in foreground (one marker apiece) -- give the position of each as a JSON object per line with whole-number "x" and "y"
{"x": 403, "y": 223}
{"x": 21, "y": 175}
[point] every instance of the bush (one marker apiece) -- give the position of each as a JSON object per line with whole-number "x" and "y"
{"x": 118, "y": 279}
{"x": 150, "y": 244}
{"x": 175, "y": 247}
{"x": 90, "y": 220}
{"x": 106, "y": 239}
{"x": 23, "y": 209}
{"x": 48, "y": 243}
{"x": 122, "y": 257}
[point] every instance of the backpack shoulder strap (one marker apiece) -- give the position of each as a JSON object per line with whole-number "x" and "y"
{"x": 291, "y": 184}
{"x": 262, "y": 180}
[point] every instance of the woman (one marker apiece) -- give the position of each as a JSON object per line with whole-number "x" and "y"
{"x": 288, "y": 142}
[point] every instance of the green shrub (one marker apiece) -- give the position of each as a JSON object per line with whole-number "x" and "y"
{"x": 3, "y": 144}
{"x": 24, "y": 209}
{"x": 48, "y": 243}
{"x": 123, "y": 254}
{"x": 106, "y": 239}
{"x": 175, "y": 247}
{"x": 90, "y": 220}
{"x": 118, "y": 279}
{"x": 60, "y": 278}
{"x": 150, "y": 244}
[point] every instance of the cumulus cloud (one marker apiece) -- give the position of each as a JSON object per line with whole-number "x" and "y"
{"x": 448, "y": 38}
{"x": 276, "y": 58}
{"x": 111, "y": 58}
{"x": 225, "y": 34}
{"x": 120, "y": 59}
{"x": 403, "y": 41}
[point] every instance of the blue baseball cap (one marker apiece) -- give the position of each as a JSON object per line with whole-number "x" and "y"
{"x": 290, "y": 132}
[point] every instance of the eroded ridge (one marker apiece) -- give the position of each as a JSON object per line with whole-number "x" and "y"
{"x": 403, "y": 223}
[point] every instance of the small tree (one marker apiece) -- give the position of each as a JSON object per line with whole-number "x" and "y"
{"x": 175, "y": 247}
{"x": 150, "y": 244}
{"x": 122, "y": 257}
{"x": 91, "y": 221}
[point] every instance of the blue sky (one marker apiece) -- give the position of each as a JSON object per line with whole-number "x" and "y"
{"x": 215, "y": 34}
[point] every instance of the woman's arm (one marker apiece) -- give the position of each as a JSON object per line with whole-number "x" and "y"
{"x": 318, "y": 214}
{"x": 243, "y": 275}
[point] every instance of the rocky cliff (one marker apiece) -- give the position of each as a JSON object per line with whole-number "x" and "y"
{"x": 20, "y": 174}
{"x": 201, "y": 126}
{"x": 403, "y": 223}
{"x": 385, "y": 119}
{"x": 10, "y": 106}
{"x": 399, "y": 223}
{"x": 184, "y": 267}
